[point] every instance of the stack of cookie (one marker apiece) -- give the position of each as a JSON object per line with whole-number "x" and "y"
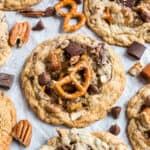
{"x": 74, "y": 79}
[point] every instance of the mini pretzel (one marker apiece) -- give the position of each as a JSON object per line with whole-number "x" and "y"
{"x": 65, "y": 3}
{"x": 71, "y": 78}
{"x": 69, "y": 16}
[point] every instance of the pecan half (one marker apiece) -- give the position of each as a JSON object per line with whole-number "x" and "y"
{"x": 55, "y": 62}
{"x": 20, "y": 34}
{"x": 23, "y": 132}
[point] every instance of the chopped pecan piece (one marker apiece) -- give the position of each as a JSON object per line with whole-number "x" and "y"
{"x": 55, "y": 62}
{"x": 20, "y": 34}
{"x": 74, "y": 49}
{"x": 107, "y": 16}
{"x": 23, "y": 132}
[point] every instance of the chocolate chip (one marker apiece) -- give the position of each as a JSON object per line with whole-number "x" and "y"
{"x": 114, "y": 129}
{"x": 116, "y": 111}
{"x": 39, "y": 26}
{"x": 44, "y": 78}
{"x": 128, "y": 3}
{"x": 78, "y": 1}
{"x": 147, "y": 102}
{"x": 74, "y": 49}
{"x": 93, "y": 89}
{"x": 50, "y": 11}
{"x": 6, "y": 80}
{"x": 136, "y": 50}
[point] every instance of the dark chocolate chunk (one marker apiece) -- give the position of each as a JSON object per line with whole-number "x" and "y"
{"x": 6, "y": 80}
{"x": 74, "y": 49}
{"x": 78, "y": 1}
{"x": 136, "y": 50}
{"x": 44, "y": 78}
{"x": 114, "y": 129}
{"x": 147, "y": 102}
{"x": 145, "y": 14}
{"x": 116, "y": 111}
{"x": 93, "y": 89}
{"x": 128, "y": 3}
{"x": 50, "y": 11}
{"x": 39, "y": 26}
{"x": 48, "y": 90}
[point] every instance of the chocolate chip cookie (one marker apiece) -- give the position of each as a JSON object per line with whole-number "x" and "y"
{"x": 119, "y": 22}
{"x": 16, "y": 4}
{"x": 138, "y": 112}
{"x": 72, "y": 80}
{"x": 83, "y": 140}
{"x": 4, "y": 35}
{"x": 7, "y": 121}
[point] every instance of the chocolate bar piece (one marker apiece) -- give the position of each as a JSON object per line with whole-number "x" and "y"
{"x": 146, "y": 72}
{"x": 6, "y": 80}
{"x": 136, "y": 50}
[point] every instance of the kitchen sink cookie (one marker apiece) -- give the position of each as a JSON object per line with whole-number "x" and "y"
{"x": 138, "y": 112}
{"x": 4, "y": 35}
{"x": 7, "y": 121}
{"x": 16, "y": 4}
{"x": 83, "y": 140}
{"x": 72, "y": 80}
{"x": 119, "y": 22}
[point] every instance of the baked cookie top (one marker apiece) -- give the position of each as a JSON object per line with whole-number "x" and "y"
{"x": 16, "y": 4}
{"x": 7, "y": 121}
{"x": 138, "y": 112}
{"x": 83, "y": 140}
{"x": 72, "y": 80}
{"x": 119, "y": 22}
{"x": 4, "y": 35}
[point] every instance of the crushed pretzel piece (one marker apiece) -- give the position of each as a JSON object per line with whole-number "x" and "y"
{"x": 135, "y": 69}
{"x": 107, "y": 16}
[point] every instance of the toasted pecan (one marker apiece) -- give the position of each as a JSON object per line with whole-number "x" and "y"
{"x": 20, "y": 34}
{"x": 22, "y": 132}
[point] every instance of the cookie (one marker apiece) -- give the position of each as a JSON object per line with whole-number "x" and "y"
{"x": 138, "y": 112}
{"x": 4, "y": 35}
{"x": 17, "y": 4}
{"x": 80, "y": 139}
{"x": 7, "y": 121}
{"x": 72, "y": 80}
{"x": 119, "y": 22}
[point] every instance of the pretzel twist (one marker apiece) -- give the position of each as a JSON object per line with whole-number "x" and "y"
{"x": 70, "y": 15}
{"x": 71, "y": 78}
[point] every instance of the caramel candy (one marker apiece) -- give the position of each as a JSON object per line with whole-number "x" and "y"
{"x": 146, "y": 72}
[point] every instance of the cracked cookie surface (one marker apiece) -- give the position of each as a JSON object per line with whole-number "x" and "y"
{"x": 138, "y": 112}
{"x": 72, "y": 80}
{"x": 4, "y": 35}
{"x": 119, "y": 22}
{"x": 83, "y": 140}
{"x": 7, "y": 121}
{"x": 16, "y": 4}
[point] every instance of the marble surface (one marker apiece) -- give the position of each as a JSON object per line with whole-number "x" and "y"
{"x": 42, "y": 131}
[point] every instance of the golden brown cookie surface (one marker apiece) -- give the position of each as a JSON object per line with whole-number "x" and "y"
{"x": 138, "y": 112}
{"x": 119, "y": 22}
{"x": 72, "y": 80}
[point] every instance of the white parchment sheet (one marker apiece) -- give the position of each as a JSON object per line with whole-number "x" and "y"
{"x": 42, "y": 131}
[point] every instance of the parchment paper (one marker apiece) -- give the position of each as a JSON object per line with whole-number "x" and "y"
{"x": 42, "y": 131}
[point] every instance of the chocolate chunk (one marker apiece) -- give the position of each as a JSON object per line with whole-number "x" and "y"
{"x": 44, "y": 78}
{"x": 116, "y": 111}
{"x": 114, "y": 129}
{"x": 145, "y": 14}
{"x": 93, "y": 89}
{"x": 78, "y": 1}
{"x": 147, "y": 102}
{"x": 128, "y": 3}
{"x": 39, "y": 26}
{"x": 50, "y": 11}
{"x": 74, "y": 49}
{"x": 136, "y": 50}
{"x": 146, "y": 72}
{"x": 48, "y": 90}
{"x": 6, "y": 80}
